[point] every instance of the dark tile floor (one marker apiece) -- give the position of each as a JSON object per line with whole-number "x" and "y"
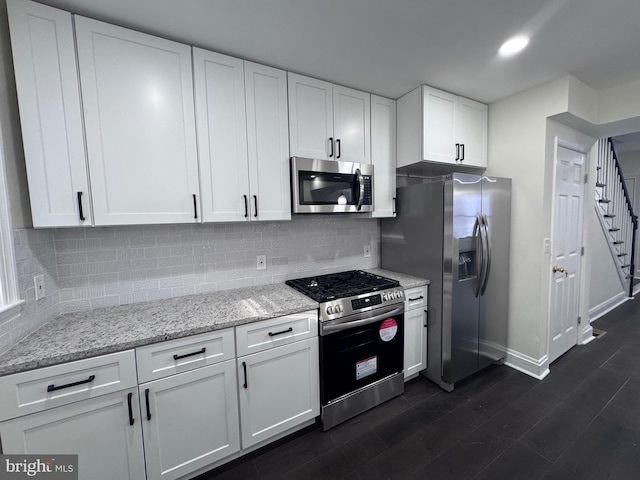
{"x": 581, "y": 422}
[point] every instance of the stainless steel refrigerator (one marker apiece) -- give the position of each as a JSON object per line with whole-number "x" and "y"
{"x": 455, "y": 231}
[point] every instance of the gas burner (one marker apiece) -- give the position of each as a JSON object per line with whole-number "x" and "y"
{"x": 323, "y": 288}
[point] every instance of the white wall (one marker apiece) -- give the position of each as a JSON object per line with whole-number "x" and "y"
{"x": 605, "y": 283}
{"x": 516, "y": 149}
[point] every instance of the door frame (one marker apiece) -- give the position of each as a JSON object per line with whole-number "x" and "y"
{"x": 581, "y": 331}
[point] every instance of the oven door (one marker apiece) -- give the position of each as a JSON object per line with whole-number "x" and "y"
{"x": 361, "y": 349}
{"x": 321, "y": 186}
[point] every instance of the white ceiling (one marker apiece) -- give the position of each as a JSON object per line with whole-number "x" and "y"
{"x": 389, "y": 47}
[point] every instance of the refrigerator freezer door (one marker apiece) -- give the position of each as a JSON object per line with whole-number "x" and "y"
{"x": 462, "y": 250}
{"x": 494, "y": 302}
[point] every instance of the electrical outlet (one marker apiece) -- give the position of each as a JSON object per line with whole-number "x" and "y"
{"x": 261, "y": 262}
{"x": 38, "y": 283}
{"x": 367, "y": 251}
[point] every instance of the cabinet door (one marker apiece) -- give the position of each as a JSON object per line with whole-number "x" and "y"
{"x": 415, "y": 342}
{"x": 137, "y": 92}
{"x": 98, "y": 430}
{"x": 278, "y": 390}
{"x": 191, "y": 420}
{"x": 46, "y": 73}
{"x": 352, "y": 124}
{"x": 311, "y": 117}
{"x": 222, "y": 136}
{"x": 268, "y": 137}
{"x": 439, "y": 123}
{"x": 383, "y": 155}
{"x": 471, "y": 124}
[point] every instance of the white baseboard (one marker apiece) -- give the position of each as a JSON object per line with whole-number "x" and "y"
{"x": 608, "y": 305}
{"x": 529, "y": 365}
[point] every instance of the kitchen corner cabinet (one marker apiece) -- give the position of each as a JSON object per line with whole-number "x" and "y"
{"x": 415, "y": 331}
{"x": 138, "y": 105}
{"x": 98, "y": 430}
{"x": 383, "y": 155}
{"x": 87, "y": 407}
{"x": 328, "y": 122}
{"x": 50, "y": 114}
{"x": 437, "y": 126}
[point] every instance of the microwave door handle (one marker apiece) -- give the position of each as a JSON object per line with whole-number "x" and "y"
{"x": 360, "y": 189}
{"x": 487, "y": 241}
{"x": 477, "y": 232}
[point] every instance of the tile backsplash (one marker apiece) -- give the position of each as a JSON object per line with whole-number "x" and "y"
{"x": 88, "y": 268}
{"x": 35, "y": 255}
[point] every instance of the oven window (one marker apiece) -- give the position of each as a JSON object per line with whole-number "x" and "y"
{"x": 317, "y": 188}
{"x": 356, "y": 357}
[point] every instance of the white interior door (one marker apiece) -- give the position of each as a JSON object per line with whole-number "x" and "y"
{"x": 566, "y": 251}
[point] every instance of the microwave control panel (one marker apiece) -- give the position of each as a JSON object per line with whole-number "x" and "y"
{"x": 367, "y": 200}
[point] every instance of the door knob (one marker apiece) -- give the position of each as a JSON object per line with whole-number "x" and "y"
{"x": 557, "y": 269}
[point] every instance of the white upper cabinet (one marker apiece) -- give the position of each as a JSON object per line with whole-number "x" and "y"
{"x": 222, "y": 136}
{"x": 471, "y": 121}
{"x": 329, "y": 122}
{"x": 439, "y": 133}
{"x": 50, "y": 114}
{"x": 352, "y": 124}
{"x": 383, "y": 155}
{"x": 311, "y": 117}
{"x": 268, "y": 142}
{"x": 439, "y": 127}
{"x": 137, "y": 95}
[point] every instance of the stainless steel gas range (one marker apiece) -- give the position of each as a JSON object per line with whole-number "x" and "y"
{"x": 361, "y": 341}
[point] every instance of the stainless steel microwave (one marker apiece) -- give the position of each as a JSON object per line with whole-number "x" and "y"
{"x": 328, "y": 186}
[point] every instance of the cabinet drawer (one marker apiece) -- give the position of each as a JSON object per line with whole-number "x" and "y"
{"x": 416, "y": 298}
{"x": 176, "y": 356}
{"x": 259, "y": 336}
{"x": 49, "y": 387}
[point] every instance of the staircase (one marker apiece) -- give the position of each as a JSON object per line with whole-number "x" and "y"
{"x": 615, "y": 212}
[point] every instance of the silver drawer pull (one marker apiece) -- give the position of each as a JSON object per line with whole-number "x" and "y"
{"x": 414, "y": 299}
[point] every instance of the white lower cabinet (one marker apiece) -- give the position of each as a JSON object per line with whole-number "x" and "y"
{"x": 189, "y": 420}
{"x": 415, "y": 331}
{"x": 279, "y": 389}
{"x": 105, "y": 432}
{"x": 197, "y": 407}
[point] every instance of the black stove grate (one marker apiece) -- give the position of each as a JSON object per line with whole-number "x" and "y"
{"x": 324, "y": 288}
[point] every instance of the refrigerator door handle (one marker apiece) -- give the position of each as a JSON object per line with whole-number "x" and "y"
{"x": 487, "y": 243}
{"x": 477, "y": 232}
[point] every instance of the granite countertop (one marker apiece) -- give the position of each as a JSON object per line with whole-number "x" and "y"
{"x": 407, "y": 281}
{"x": 97, "y": 332}
{"x": 81, "y": 335}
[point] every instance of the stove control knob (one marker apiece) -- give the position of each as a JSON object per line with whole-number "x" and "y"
{"x": 338, "y": 308}
{"x": 329, "y": 310}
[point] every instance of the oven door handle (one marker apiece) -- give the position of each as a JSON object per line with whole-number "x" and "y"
{"x": 324, "y": 329}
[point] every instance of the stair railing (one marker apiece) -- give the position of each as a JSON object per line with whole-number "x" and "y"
{"x": 616, "y": 201}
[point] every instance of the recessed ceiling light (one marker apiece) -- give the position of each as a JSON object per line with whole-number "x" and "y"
{"x": 513, "y": 45}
